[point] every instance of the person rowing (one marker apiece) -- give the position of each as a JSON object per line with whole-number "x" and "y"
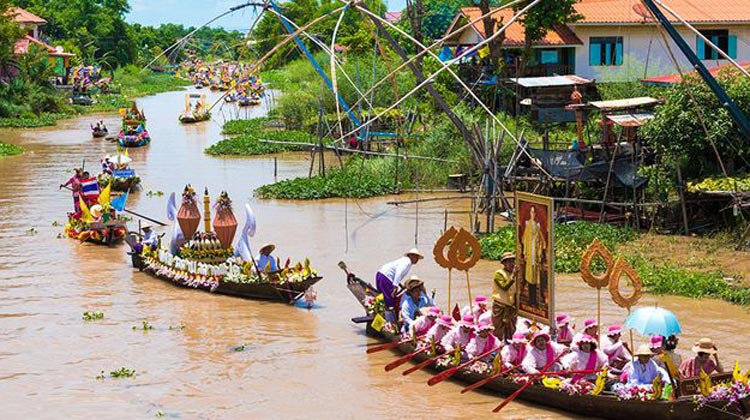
{"x": 618, "y": 353}
{"x": 266, "y": 261}
{"x": 460, "y": 335}
{"x": 438, "y": 331}
{"x": 590, "y": 328}
{"x": 565, "y": 332}
{"x": 542, "y": 351}
{"x": 514, "y": 353}
{"x": 389, "y": 277}
{"x": 149, "y": 239}
{"x": 479, "y": 310}
{"x": 415, "y": 299}
{"x": 585, "y": 357}
{"x": 483, "y": 342}
{"x": 424, "y": 322}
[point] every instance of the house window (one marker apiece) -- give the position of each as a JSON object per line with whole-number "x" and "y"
{"x": 605, "y": 51}
{"x": 720, "y": 38}
{"x": 549, "y": 57}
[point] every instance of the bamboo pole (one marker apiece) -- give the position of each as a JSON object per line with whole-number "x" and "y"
{"x": 471, "y": 301}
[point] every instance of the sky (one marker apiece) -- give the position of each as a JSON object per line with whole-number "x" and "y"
{"x": 198, "y": 12}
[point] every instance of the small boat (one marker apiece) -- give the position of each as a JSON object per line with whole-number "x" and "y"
{"x": 81, "y": 98}
{"x": 133, "y": 133}
{"x": 194, "y": 112}
{"x": 102, "y": 233}
{"x": 99, "y": 130}
{"x": 605, "y": 405}
{"x": 117, "y": 171}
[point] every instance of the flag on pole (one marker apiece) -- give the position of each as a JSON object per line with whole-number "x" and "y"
{"x": 104, "y": 196}
{"x": 243, "y": 245}
{"x": 119, "y": 202}
{"x": 86, "y": 216}
{"x": 90, "y": 189}
{"x": 171, "y": 207}
{"x": 177, "y": 235}
{"x": 484, "y": 51}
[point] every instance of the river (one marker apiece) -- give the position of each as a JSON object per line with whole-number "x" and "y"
{"x": 297, "y": 363}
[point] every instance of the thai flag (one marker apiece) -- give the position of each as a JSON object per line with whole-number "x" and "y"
{"x": 90, "y": 189}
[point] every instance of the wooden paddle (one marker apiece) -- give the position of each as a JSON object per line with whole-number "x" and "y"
{"x": 440, "y": 377}
{"x": 391, "y": 345}
{"x": 477, "y": 384}
{"x": 421, "y": 365}
{"x": 401, "y": 360}
{"x": 513, "y": 396}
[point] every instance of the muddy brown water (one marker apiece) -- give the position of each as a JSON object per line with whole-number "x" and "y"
{"x": 297, "y": 363}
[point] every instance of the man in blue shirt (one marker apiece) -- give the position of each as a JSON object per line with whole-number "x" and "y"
{"x": 266, "y": 262}
{"x": 412, "y": 301}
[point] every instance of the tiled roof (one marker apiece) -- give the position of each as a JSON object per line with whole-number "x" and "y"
{"x": 514, "y": 35}
{"x": 633, "y": 11}
{"x": 24, "y": 16}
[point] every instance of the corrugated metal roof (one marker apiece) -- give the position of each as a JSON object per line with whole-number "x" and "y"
{"x": 632, "y": 11}
{"x": 514, "y": 34}
{"x": 24, "y": 16}
{"x": 630, "y": 120}
{"x": 625, "y": 103}
{"x": 550, "y": 81}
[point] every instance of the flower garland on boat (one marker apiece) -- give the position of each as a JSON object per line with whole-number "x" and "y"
{"x": 189, "y": 196}
{"x": 77, "y": 229}
{"x": 374, "y": 304}
{"x": 482, "y": 368}
{"x": 576, "y": 388}
{"x": 731, "y": 393}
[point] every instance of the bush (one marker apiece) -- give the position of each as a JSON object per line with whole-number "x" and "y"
{"x": 250, "y": 143}
{"x": 571, "y": 241}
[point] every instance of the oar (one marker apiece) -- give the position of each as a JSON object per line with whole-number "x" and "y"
{"x": 440, "y": 377}
{"x": 513, "y": 396}
{"x": 401, "y": 360}
{"x": 390, "y": 345}
{"x": 144, "y": 217}
{"x": 421, "y": 365}
{"x": 478, "y": 384}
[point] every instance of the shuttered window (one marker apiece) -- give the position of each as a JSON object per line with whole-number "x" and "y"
{"x": 720, "y": 38}
{"x": 605, "y": 51}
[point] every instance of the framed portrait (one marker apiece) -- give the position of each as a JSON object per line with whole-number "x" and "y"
{"x": 535, "y": 257}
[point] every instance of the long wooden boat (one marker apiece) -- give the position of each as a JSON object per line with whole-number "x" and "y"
{"x": 282, "y": 291}
{"x": 605, "y": 405}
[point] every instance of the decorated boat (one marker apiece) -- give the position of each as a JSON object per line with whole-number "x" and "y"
{"x": 725, "y": 401}
{"x": 208, "y": 262}
{"x": 101, "y": 223}
{"x": 194, "y": 112}
{"x": 116, "y": 171}
{"x": 133, "y": 133}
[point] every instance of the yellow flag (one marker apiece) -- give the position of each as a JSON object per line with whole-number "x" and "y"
{"x": 705, "y": 383}
{"x": 104, "y": 195}
{"x": 601, "y": 381}
{"x": 484, "y": 51}
{"x": 497, "y": 363}
{"x": 554, "y": 383}
{"x": 457, "y": 356}
{"x": 737, "y": 373}
{"x": 85, "y": 213}
{"x": 658, "y": 388}
{"x": 377, "y": 323}
{"x": 122, "y": 111}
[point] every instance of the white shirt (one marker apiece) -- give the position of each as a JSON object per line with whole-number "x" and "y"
{"x": 537, "y": 359}
{"x": 396, "y": 270}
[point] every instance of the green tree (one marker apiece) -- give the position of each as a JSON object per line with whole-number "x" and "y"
{"x": 10, "y": 32}
{"x": 542, "y": 18}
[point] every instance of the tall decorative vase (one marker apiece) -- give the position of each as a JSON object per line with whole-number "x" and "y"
{"x": 189, "y": 217}
{"x": 225, "y": 224}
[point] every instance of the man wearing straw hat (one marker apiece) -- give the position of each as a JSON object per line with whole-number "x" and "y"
{"x": 389, "y": 278}
{"x": 149, "y": 239}
{"x": 504, "y": 310}
{"x": 643, "y": 369}
{"x": 413, "y": 301}
{"x": 266, "y": 261}
{"x": 703, "y": 350}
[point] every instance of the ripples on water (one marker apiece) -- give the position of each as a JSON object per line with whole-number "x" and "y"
{"x": 296, "y": 363}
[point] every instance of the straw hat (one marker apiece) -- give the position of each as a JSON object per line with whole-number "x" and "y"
{"x": 413, "y": 283}
{"x": 146, "y": 226}
{"x": 704, "y": 345}
{"x": 507, "y": 256}
{"x": 270, "y": 247}
{"x": 643, "y": 350}
{"x": 414, "y": 251}
{"x": 97, "y": 210}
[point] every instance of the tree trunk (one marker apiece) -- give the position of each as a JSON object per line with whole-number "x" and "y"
{"x": 415, "y": 12}
{"x": 496, "y": 45}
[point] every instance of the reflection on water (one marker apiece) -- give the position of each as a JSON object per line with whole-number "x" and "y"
{"x": 296, "y": 363}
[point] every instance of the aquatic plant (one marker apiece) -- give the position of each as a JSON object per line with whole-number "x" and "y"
{"x": 93, "y": 315}
{"x": 145, "y": 326}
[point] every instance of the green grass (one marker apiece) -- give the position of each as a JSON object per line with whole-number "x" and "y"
{"x": 7, "y": 149}
{"x": 356, "y": 181}
{"x": 32, "y": 121}
{"x": 248, "y": 142}
{"x": 571, "y": 241}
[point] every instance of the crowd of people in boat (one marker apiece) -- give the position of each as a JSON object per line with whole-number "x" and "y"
{"x": 528, "y": 348}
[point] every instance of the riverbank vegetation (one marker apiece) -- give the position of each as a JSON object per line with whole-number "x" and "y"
{"x": 248, "y": 138}
{"x": 7, "y": 149}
